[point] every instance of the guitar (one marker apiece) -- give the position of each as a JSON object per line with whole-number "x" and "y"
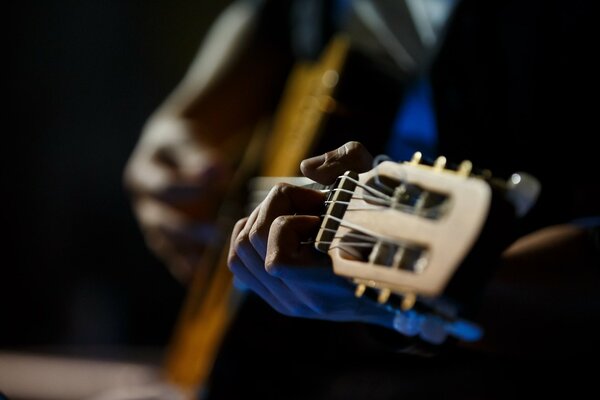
{"x": 310, "y": 99}
{"x": 402, "y": 232}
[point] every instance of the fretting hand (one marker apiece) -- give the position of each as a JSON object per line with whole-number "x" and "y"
{"x": 269, "y": 253}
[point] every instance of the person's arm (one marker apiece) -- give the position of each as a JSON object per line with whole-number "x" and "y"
{"x": 271, "y": 254}
{"x": 545, "y": 298}
{"x": 267, "y": 253}
{"x": 547, "y": 279}
{"x": 189, "y": 147}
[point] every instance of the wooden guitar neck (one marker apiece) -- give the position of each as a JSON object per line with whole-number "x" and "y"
{"x": 211, "y": 302}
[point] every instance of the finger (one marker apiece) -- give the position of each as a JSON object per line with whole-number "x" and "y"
{"x": 309, "y": 274}
{"x": 251, "y": 241}
{"x": 252, "y": 267}
{"x": 237, "y": 228}
{"x": 249, "y": 281}
{"x": 288, "y": 256}
{"x": 238, "y": 267}
{"x": 306, "y": 272}
{"x": 283, "y": 199}
{"x": 248, "y": 265}
{"x": 327, "y": 167}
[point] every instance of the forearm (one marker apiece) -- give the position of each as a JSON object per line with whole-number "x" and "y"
{"x": 544, "y": 300}
{"x": 234, "y": 79}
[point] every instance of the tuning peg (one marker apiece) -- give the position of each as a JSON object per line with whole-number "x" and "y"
{"x": 408, "y": 301}
{"x": 465, "y": 167}
{"x": 360, "y": 290}
{"x": 384, "y": 295}
{"x": 440, "y": 163}
{"x": 416, "y": 158}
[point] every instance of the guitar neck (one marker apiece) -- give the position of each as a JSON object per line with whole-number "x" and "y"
{"x": 260, "y": 186}
{"x": 306, "y": 103}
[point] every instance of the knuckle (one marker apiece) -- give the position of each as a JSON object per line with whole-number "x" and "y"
{"x": 279, "y": 190}
{"x": 239, "y": 224}
{"x": 280, "y": 223}
{"x": 240, "y": 242}
{"x": 257, "y": 236}
{"x": 354, "y": 150}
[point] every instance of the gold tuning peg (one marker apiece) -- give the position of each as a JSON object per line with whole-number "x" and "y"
{"x": 465, "y": 168}
{"x": 360, "y": 290}
{"x": 384, "y": 295}
{"x": 408, "y": 301}
{"x": 416, "y": 158}
{"x": 440, "y": 163}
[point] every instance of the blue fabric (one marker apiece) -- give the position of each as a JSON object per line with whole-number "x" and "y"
{"x": 415, "y": 127}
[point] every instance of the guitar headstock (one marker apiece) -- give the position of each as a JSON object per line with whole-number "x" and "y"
{"x": 404, "y": 228}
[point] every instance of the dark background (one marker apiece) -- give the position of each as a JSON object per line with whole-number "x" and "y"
{"x": 83, "y": 77}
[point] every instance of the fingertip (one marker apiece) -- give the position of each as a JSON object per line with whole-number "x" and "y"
{"x": 327, "y": 167}
{"x": 235, "y": 240}
{"x": 309, "y": 165}
{"x": 358, "y": 157}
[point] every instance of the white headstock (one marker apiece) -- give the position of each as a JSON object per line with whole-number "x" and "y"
{"x": 404, "y": 228}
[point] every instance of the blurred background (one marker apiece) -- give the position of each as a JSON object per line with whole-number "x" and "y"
{"x": 76, "y": 278}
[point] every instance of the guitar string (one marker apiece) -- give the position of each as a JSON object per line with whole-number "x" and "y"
{"x": 408, "y": 209}
{"x": 365, "y": 197}
{"x": 383, "y": 199}
{"x": 365, "y": 208}
{"x": 368, "y": 241}
{"x": 374, "y": 235}
{"x": 379, "y": 197}
{"x": 355, "y": 235}
{"x": 370, "y": 189}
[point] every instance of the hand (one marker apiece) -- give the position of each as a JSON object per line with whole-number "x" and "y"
{"x": 175, "y": 184}
{"x": 269, "y": 253}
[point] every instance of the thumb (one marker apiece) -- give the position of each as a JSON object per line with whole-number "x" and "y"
{"x": 327, "y": 167}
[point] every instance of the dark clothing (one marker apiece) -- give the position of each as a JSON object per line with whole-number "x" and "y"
{"x": 511, "y": 86}
{"x": 269, "y": 356}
